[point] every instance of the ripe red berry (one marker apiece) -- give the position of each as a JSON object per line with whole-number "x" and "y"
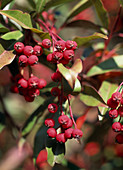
{"x": 55, "y": 91}
{"x": 116, "y": 96}
{"x": 23, "y": 60}
{"x": 17, "y": 78}
{"x": 113, "y": 113}
{"x": 51, "y": 132}
{"x": 46, "y": 43}
{"x": 61, "y": 138}
{"x": 68, "y": 54}
{"x": 69, "y": 124}
{"x": 63, "y": 119}
{"x": 23, "y": 83}
{"x": 112, "y": 104}
{"x": 116, "y": 126}
{"x": 68, "y": 133}
{"x": 49, "y": 122}
{"x": 14, "y": 89}
{"x": 33, "y": 59}
{"x": 33, "y": 81}
{"x": 119, "y": 138}
{"x": 23, "y": 91}
{"x": 50, "y": 57}
{"x": 37, "y": 50}
{"x": 28, "y": 50}
{"x": 57, "y": 56}
{"x": 120, "y": 111}
{"x": 19, "y": 47}
{"x": 42, "y": 83}
{"x": 33, "y": 92}
{"x": 77, "y": 133}
{"x": 60, "y": 45}
{"x": 29, "y": 99}
{"x": 52, "y": 108}
{"x": 71, "y": 45}
{"x": 64, "y": 61}
{"x": 41, "y": 158}
{"x": 56, "y": 77}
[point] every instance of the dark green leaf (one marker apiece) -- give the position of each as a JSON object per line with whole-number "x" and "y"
{"x": 115, "y": 63}
{"x": 12, "y": 35}
{"x": 101, "y": 12}
{"x": 3, "y": 29}
{"x": 3, "y": 3}
{"x": 40, "y": 5}
{"x": 83, "y": 40}
{"x": 32, "y": 3}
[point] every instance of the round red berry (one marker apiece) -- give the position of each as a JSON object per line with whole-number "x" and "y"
{"x": 61, "y": 138}
{"x": 41, "y": 158}
{"x": 23, "y": 83}
{"x": 55, "y": 91}
{"x": 37, "y": 50}
{"x": 63, "y": 119}
{"x": 68, "y": 54}
{"x": 68, "y": 133}
{"x": 29, "y": 99}
{"x": 113, "y": 113}
{"x": 46, "y": 43}
{"x": 56, "y": 77}
{"x": 52, "y": 108}
{"x": 69, "y": 124}
{"x": 60, "y": 45}
{"x": 64, "y": 61}
{"x": 19, "y": 47}
{"x": 120, "y": 111}
{"x": 50, "y": 57}
{"x": 33, "y": 81}
{"x": 42, "y": 83}
{"x": 119, "y": 138}
{"x": 33, "y": 92}
{"x": 33, "y": 59}
{"x": 57, "y": 56}
{"x": 14, "y": 89}
{"x": 112, "y": 104}
{"x": 116, "y": 96}
{"x": 71, "y": 45}
{"x": 23, "y": 60}
{"x": 116, "y": 126}
{"x": 28, "y": 50}
{"x": 51, "y": 132}
{"x": 77, "y": 133}
{"x": 49, "y": 122}
{"x": 23, "y": 91}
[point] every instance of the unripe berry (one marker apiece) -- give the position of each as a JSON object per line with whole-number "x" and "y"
{"x": 33, "y": 59}
{"x": 33, "y": 81}
{"x": 60, "y": 45}
{"x": 42, "y": 83}
{"x": 19, "y": 47}
{"x": 68, "y": 54}
{"x": 68, "y": 125}
{"x": 57, "y": 56}
{"x": 28, "y": 50}
{"x": 46, "y": 43}
{"x": 49, "y": 122}
{"x": 23, "y": 83}
{"x": 113, "y": 113}
{"x": 56, "y": 77}
{"x": 33, "y": 92}
{"x": 68, "y": 133}
{"x": 51, "y": 132}
{"x": 23, "y": 60}
{"x": 116, "y": 97}
{"x": 120, "y": 111}
{"x": 37, "y": 50}
{"x": 112, "y": 104}
{"x": 61, "y": 138}
{"x": 71, "y": 45}
{"x": 29, "y": 99}
{"x": 50, "y": 57}
{"x": 119, "y": 138}
{"x": 52, "y": 108}
{"x": 55, "y": 91}
{"x": 77, "y": 133}
{"x": 116, "y": 126}
{"x": 63, "y": 119}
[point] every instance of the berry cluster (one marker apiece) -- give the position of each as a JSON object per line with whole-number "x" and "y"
{"x": 116, "y": 109}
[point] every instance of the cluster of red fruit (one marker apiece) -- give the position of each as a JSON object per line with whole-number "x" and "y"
{"x": 28, "y": 56}
{"x": 116, "y": 109}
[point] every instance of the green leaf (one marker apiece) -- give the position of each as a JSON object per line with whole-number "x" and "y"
{"x": 91, "y": 97}
{"x": 12, "y": 35}
{"x": 50, "y": 157}
{"x": 3, "y": 29}
{"x": 3, "y": 3}
{"x": 79, "y": 7}
{"x": 83, "y": 40}
{"x": 40, "y": 5}
{"x": 32, "y": 3}
{"x": 101, "y": 12}
{"x": 121, "y": 2}
{"x": 112, "y": 64}
{"x": 6, "y": 57}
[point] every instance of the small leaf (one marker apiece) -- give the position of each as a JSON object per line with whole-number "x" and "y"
{"x": 3, "y": 29}
{"x": 83, "y": 40}
{"x": 6, "y": 57}
{"x": 101, "y": 12}
{"x": 12, "y": 35}
{"x": 50, "y": 157}
{"x": 77, "y": 66}
{"x": 114, "y": 63}
{"x": 40, "y": 4}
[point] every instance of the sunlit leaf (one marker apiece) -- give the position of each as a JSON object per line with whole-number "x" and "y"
{"x": 12, "y": 35}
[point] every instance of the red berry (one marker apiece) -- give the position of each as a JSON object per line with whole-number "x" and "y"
{"x": 42, "y": 83}
{"x": 33, "y": 92}
{"x": 23, "y": 60}
{"x": 116, "y": 126}
{"x": 41, "y": 158}
{"x": 60, "y": 45}
{"x": 61, "y": 138}
{"x": 68, "y": 54}
{"x": 68, "y": 125}
{"x": 33, "y": 81}
{"x": 17, "y": 78}
{"x": 63, "y": 119}
{"x": 50, "y": 57}
{"x": 71, "y": 44}
{"x": 112, "y": 104}
{"x": 120, "y": 111}
{"x": 121, "y": 101}
{"x": 55, "y": 91}
{"x": 51, "y": 132}
{"x": 23, "y": 83}
{"x": 19, "y": 47}
{"x": 29, "y": 99}
{"x": 28, "y": 50}
{"x": 64, "y": 61}
{"x": 56, "y": 77}
{"x": 113, "y": 113}
{"x": 23, "y": 91}
{"x": 116, "y": 97}
{"x": 68, "y": 133}
{"x": 49, "y": 122}
{"x": 33, "y": 59}
{"x": 57, "y": 56}
{"x": 119, "y": 138}
{"x": 77, "y": 133}
{"x": 37, "y": 50}
{"x": 52, "y": 108}
{"x": 14, "y": 89}
{"x": 46, "y": 43}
